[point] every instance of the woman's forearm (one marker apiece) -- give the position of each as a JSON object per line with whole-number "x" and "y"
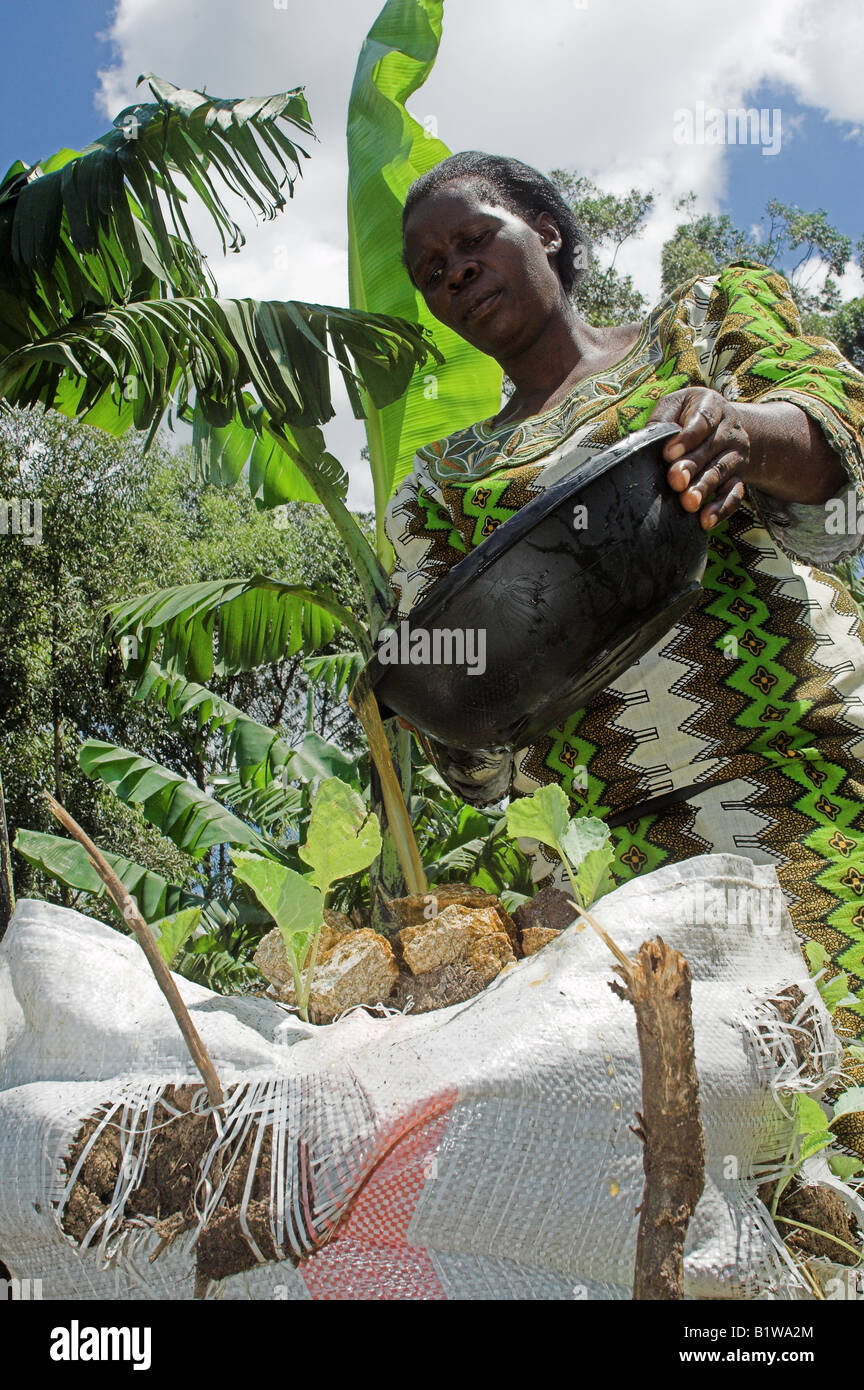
{"x": 790, "y": 457}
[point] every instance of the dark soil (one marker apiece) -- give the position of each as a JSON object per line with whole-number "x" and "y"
{"x": 787, "y": 1003}
{"x": 436, "y": 989}
{"x": 821, "y": 1208}
{"x": 167, "y": 1191}
{"x": 549, "y": 908}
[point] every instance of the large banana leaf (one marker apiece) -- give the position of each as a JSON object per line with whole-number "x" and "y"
{"x": 387, "y": 151}
{"x": 337, "y": 673}
{"x": 125, "y": 366}
{"x": 179, "y": 809}
{"x": 255, "y": 622}
{"x": 87, "y": 229}
{"x": 256, "y": 751}
{"x": 287, "y": 464}
{"x": 68, "y": 864}
{"x": 263, "y": 804}
{"x": 267, "y": 457}
{"x": 316, "y": 757}
{"x": 275, "y": 799}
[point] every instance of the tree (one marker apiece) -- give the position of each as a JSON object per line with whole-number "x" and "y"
{"x": 606, "y": 296}
{"x": 114, "y": 518}
{"x": 809, "y": 248}
{"x": 805, "y": 246}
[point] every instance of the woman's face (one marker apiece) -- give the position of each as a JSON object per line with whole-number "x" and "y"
{"x": 483, "y": 271}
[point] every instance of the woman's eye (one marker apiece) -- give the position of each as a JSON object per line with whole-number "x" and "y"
{"x": 434, "y": 276}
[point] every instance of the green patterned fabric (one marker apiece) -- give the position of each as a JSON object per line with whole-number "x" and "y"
{"x": 748, "y": 715}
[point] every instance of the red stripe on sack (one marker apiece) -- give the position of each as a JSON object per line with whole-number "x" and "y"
{"x": 369, "y": 1257}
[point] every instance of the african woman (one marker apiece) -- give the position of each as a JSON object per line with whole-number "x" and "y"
{"x": 742, "y": 730}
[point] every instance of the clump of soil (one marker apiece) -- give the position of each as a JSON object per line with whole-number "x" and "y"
{"x": 177, "y": 1147}
{"x": 166, "y": 1192}
{"x": 436, "y": 989}
{"x": 823, "y": 1209}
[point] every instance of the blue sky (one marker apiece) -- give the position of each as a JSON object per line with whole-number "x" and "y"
{"x": 48, "y": 65}
{"x": 819, "y": 166}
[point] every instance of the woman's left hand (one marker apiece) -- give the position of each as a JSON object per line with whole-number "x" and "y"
{"x": 709, "y": 456}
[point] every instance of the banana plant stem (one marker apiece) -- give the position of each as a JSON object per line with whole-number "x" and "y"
{"x": 365, "y": 706}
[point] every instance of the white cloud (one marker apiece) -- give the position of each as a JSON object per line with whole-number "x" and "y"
{"x": 555, "y": 84}
{"x": 823, "y": 47}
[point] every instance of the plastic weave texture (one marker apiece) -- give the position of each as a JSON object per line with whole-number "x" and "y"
{"x": 480, "y": 1152}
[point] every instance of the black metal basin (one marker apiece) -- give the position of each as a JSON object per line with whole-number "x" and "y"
{"x": 557, "y": 602}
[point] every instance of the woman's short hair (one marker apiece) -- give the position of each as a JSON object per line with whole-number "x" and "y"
{"x": 510, "y": 184}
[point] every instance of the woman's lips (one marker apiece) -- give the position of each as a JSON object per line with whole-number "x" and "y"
{"x": 488, "y": 302}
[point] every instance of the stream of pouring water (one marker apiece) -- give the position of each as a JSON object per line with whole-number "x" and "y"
{"x": 365, "y": 706}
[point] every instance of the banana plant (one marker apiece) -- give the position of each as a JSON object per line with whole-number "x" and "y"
{"x": 283, "y": 460}
{"x": 67, "y": 863}
{"x": 387, "y": 151}
{"x": 121, "y": 327}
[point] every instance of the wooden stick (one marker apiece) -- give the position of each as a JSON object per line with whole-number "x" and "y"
{"x": 129, "y": 910}
{"x": 657, "y": 984}
{"x": 7, "y": 890}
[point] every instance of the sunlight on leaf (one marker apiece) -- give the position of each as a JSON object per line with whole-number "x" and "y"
{"x": 344, "y": 836}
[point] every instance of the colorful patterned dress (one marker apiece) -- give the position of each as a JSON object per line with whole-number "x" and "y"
{"x": 742, "y": 730}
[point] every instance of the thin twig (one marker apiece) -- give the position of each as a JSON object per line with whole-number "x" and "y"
{"x": 624, "y": 961}
{"x": 165, "y": 980}
{"x": 801, "y": 1264}
{"x": 826, "y": 1235}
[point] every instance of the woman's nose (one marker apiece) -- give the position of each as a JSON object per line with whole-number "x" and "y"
{"x": 462, "y": 273}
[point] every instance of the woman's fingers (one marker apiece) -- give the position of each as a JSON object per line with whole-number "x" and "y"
{"x": 695, "y": 412}
{"x": 728, "y": 435}
{"x": 708, "y": 470}
{"x": 707, "y": 455}
{"x": 728, "y": 499}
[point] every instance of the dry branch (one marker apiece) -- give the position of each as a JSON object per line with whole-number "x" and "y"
{"x": 657, "y": 984}
{"x": 165, "y": 980}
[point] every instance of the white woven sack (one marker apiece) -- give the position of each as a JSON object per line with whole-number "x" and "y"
{"x": 479, "y": 1152}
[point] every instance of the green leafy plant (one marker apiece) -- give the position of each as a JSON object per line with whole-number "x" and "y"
{"x": 813, "y": 1131}
{"x": 833, "y": 989}
{"x": 173, "y": 932}
{"x": 811, "y": 1135}
{"x": 343, "y": 839}
{"x": 583, "y": 842}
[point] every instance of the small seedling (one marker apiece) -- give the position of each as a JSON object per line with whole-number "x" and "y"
{"x": 343, "y": 838}
{"x": 583, "y": 842}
